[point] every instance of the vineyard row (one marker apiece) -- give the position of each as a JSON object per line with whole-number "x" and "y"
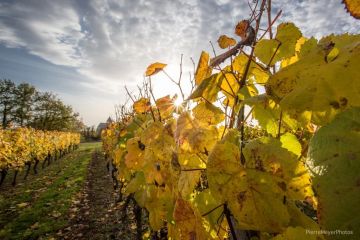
{"x": 22, "y": 148}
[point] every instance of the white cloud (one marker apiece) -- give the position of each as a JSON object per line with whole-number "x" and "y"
{"x": 318, "y": 18}
{"x": 47, "y": 29}
{"x": 110, "y": 42}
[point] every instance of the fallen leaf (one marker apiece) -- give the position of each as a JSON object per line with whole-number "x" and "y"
{"x": 22, "y": 205}
{"x": 56, "y": 214}
{"x": 35, "y": 225}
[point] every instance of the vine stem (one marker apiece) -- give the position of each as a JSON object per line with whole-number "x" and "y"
{"x": 242, "y": 83}
{"x": 193, "y": 169}
{"x": 207, "y": 213}
{"x": 151, "y": 110}
{"x": 230, "y": 223}
{"x": 128, "y": 93}
{"x": 272, "y": 23}
{"x": 269, "y": 18}
{"x": 279, "y": 127}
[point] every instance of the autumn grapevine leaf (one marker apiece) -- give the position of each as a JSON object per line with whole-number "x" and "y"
{"x": 154, "y": 68}
{"x": 353, "y": 7}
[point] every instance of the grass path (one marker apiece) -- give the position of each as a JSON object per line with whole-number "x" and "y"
{"x": 38, "y": 207}
{"x": 95, "y": 213}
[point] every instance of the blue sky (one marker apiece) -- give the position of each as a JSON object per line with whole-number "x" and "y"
{"x": 86, "y": 51}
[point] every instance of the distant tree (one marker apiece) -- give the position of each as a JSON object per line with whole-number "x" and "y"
{"x": 7, "y": 104}
{"x": 90, "y": 134}
{"x": 25, "y": 106}
{"x": 77, "y": 125}
{"x": 25, "y": 97}
{"x": 52, "y": 114}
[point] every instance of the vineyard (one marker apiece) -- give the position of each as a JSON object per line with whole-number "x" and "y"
{"x": 266, "y": 145}
{"x": 26, "y": 147}
{"x": 260, "y": 141}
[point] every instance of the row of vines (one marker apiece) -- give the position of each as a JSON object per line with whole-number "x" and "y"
{"x": 203, "y": 170}
{"x": 26, "y": 147}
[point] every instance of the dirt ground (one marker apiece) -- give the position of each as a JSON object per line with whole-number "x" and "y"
{"x": 97, "y": 212}
{"x": 73, "y": 198}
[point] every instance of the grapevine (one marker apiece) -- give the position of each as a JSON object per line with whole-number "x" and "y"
{"x": 21, "y": 147}
{"x": 203, "y": 171}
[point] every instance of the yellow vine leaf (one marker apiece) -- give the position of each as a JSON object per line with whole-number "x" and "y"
{"x": 287, "y": 34}
{"x": 307, "y": 47}
{"x": 293, "y": 59}
{"x": 158, "y": 154}
{"x": 208, "y": 88}
{"x": 229, "y": 81}
{"x": 267, "y": 113}
{"x": 299, "y": 43}
{"x": 326, "y": 87}
{"x": 225, "y": 41}
{"x": 188, "y": 222}
{"x": 229, "y": 85}
{"x": 166, "y": 106}
{"x": 247, "y": 91}
{"x": 187, "y": 182}
{"x": 203, "y": 70}
{"x": 137, "y": 183}
{"x": 134, "y": 159}
{"x": 270, "y": 51}
{"x": 154, "y": 68}
{"x": 265, "y": 49}
{"x": 272, "y": 156}
{"x": 159, "y": 202}
{"x": 208, "y": 114}
{"x": 300, "y": 219}
{"x": 191, "y": 160}
{"x": 267, "y": 118}
{"x": 353, "y": 7}
{"x": 225, "y": 160}
{"x": 291, "y": 143}
{"x": 332, "y": 55}
{"x": 142, "y": 105}
{"x": 334, "y": 159}
{"x": 288, "y": 61}
{"x": 272, "y": 176}
{"x": 191, "y": 136}
{"x": 142, "y": 194}
{"x": 151, "y": 133}
{"x": 202, "y": 139}
{"x": 184, "y": 125}
{"x": 255, "y": 72}
{"x": 252, "y": 196}
{"x": 206, "y": 203}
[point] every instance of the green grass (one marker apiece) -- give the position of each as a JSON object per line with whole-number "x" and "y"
{"x": 39, "y": 207}
{"x": 89, "y": 145}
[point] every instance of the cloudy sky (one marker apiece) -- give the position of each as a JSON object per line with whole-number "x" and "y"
{"x": 86, "y": 51}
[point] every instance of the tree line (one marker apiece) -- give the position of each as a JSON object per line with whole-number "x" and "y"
{"x": 24, "y": 105}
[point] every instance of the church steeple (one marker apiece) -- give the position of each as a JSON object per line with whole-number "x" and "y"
{"x": 109, "y": 120}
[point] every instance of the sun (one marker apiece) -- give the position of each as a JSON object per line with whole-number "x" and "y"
{"x": 178, "y": 102}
